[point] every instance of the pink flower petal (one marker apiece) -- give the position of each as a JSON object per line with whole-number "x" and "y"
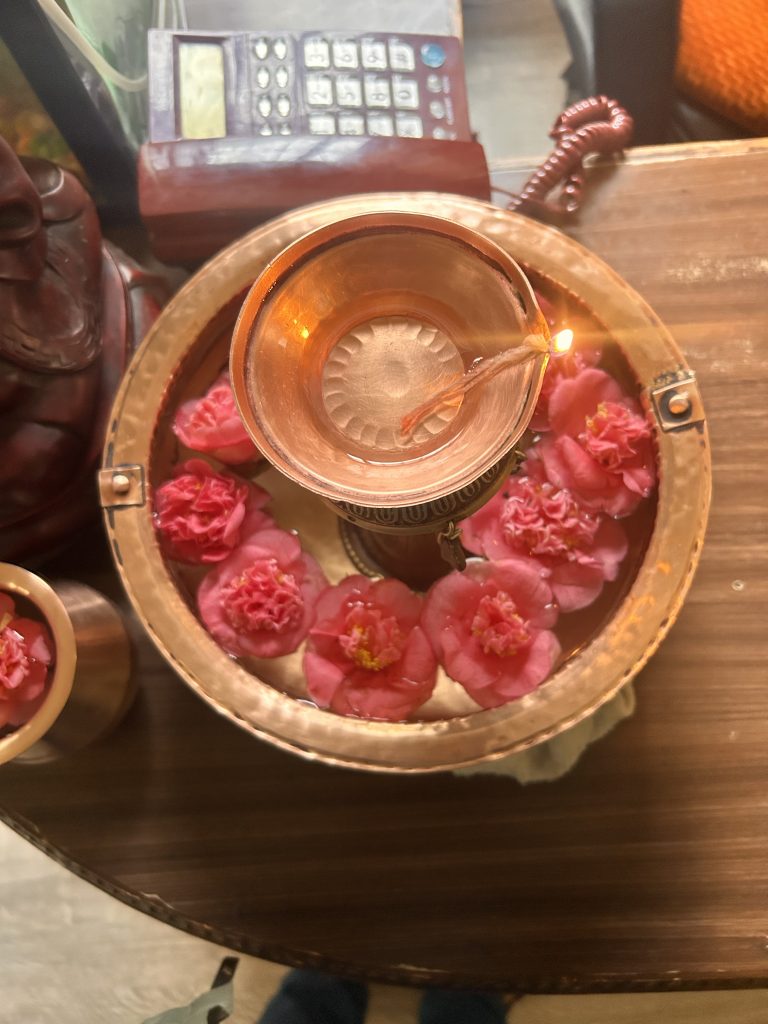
{"x": 576, "y": 398}
{"x": 473, "y": 668}
{"x": 323, "y": 678}
{"x": 475, "y": 528}
{"x": 535, "y": 667}
{"x": 576, "y": 585}
{"x": 445, "y": 604}
{"x": 37, "y": 638}
{"x": 610, "y": 547}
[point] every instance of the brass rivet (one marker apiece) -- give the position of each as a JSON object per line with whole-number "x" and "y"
{"x": 679, "y": 404}
{"x": 121, "y": 483}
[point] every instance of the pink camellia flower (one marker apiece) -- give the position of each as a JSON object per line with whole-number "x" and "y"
{"x": 26, "y": 653}
{"x": 562, "y": 367}
{"x": 532, "y": 518}
{"x": 212, "y": 424}
{"x": 601, "y": 447}
{"x": 261, "y": 600}
{"x": 490, "y": 628}
{"x": 367, "y": 655}
{"x": 201, "y": 515}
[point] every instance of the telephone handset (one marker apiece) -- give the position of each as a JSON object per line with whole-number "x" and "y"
{"x": 245, "y": 125}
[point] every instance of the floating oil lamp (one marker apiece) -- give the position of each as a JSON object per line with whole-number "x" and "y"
{"x": 390, "y": 363}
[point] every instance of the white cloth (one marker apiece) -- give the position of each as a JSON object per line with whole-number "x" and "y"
{"x": 548, "y": 761}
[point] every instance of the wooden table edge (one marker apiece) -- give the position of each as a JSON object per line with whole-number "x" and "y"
{"x": 648, "y": 154}
{"x": 392, "y": 974}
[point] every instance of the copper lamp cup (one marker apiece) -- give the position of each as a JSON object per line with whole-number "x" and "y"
{"x": 358, "y": 323}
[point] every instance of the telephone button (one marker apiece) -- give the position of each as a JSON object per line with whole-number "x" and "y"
{"x": 265, "y": 106}
{"x": 380, "y": 124}
{"x": 351, "y": 124}
{"x": 433, "y": 55}
{"x": 262, "y": 78}
{"x": 401, "y": 56}
{"x": 406, "y": 92}
{"x": 345, "y": 54}
{"x": 317, "y": 53}
{"x": 437, "y": 109}
{"x": 349, "y": 91}
{"x": 319, "y": 90}
{"x": 261, "y": 48}
{"x": 374, "y": 54}
{"x": 281, "y": 77}
{"x": 280, "y": 49}
{"x": 377, "y": 92}
{"x": 283, "y": 106}
{"x": 322, "y": 124}
{"x": 409, "y": 126}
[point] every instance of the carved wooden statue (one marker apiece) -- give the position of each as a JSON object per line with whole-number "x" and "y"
{"x": 71, "y": 311}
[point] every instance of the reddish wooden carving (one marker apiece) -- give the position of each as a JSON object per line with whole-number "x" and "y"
{"x": 67, "y": 327}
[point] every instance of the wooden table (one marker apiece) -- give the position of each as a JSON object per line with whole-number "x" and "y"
{"x": 645, "y": 867}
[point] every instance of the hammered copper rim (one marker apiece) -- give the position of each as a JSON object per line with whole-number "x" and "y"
{"x": 22, "y": 583}
{"x": 313, "y": 244}
{"x": 584, "y": 682}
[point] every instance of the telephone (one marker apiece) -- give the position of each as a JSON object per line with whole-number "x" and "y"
{"x": 244, "y": 125}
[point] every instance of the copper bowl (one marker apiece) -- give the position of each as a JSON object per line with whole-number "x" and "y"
{"x": 186, "y": 349}
{"x": 359, "y": 322}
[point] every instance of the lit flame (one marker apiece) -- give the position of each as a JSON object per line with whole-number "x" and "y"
{"x": 562, "y": 341}
{"x": 304, "y": 332}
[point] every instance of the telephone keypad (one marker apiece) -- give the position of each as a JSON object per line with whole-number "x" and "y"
{"x": 329, "y": 83}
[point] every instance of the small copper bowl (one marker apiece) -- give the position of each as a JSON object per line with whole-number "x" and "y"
{"x": 90, "y": 686}
{"x": 355, "y": 325}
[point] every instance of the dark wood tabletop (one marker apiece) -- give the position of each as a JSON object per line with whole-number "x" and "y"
{"x": 645, "y": 867}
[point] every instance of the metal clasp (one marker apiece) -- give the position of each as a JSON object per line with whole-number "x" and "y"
{"x": 449, "y": 540}
{"x": 120, "y": 486}
{"x": 676, "y": 401}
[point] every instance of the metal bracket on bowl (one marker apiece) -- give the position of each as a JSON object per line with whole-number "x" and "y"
{"x": 120, "y": 486}
{"x": 676, "y": 401}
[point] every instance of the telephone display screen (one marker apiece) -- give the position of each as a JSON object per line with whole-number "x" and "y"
{"x": 202, "y": 98}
